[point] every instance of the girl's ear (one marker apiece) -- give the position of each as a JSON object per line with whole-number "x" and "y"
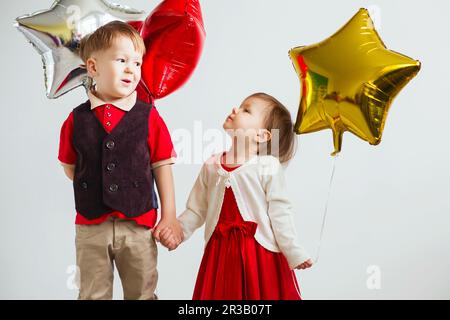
{"x": 91, "y": 67}
{"x": 263, "y": 135}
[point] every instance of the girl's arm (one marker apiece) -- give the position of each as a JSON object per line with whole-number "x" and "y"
{"x": 197, "y": 204}
{"x": 281, "y": 217}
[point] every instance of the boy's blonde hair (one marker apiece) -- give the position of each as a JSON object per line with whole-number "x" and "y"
{"x": 103, "y": 37}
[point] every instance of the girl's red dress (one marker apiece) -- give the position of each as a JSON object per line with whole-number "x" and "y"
{"x": 236, "y": 267}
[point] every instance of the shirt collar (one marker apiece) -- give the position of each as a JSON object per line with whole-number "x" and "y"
{"x": 222, "y": 172}
{"x": 124, "y": 104}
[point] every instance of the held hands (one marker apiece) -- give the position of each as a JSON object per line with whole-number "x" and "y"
{"x": 168, "y": 239}
{"x": 169, "y": 233}
{"x": 305, "y": 265}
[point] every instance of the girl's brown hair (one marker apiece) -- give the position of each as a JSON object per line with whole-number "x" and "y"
{"x": 278, "y": 118}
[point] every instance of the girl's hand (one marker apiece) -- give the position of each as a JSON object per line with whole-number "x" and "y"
{"x": 305, "y": 265}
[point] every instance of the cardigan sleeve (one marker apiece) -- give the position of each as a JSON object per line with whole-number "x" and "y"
{"x": 197, "y": 204}
{"x": 281, "y": 217}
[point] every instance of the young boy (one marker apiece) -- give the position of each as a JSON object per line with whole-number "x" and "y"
{"x": 114, "y": 147}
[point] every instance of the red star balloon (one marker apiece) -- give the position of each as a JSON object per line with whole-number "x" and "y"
{"x": 173, "y": 34}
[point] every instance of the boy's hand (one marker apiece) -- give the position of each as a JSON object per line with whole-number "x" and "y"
{"x": 168, "y": 239}
{"x": 69, "y": 170}
{"x": 305, "y": 265}
{"x": 173, "y": 225}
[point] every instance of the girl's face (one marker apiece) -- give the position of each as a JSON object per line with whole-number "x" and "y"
{"x": 248, "y": 120}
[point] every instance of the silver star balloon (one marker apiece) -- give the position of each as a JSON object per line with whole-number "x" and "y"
{"x": 56, "y": 34}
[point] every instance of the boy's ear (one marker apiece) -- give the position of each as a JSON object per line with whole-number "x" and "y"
{"x": 91, "y": 67}
{"x": 263, "y": 135}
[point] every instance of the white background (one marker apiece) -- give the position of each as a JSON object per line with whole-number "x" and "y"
{"x": 389, "y": 205}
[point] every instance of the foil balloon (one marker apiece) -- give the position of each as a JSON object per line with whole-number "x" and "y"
{"x": 349, "y": 81}
{"x": 173, "y": 34}
{"x": 56, "y": 33}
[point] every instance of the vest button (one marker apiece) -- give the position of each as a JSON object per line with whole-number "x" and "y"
{"x": 110, "y": 166}
{"x": 110, "y": 144}
{"x": 136, "y": 184}
{"x": 84, "y": 185}
{"x": 113, "y": 187}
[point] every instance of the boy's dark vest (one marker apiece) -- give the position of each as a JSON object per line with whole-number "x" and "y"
{"x": 113, "y": 170}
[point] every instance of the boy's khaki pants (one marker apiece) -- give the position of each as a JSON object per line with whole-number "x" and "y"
{"x": 124, "y": 242}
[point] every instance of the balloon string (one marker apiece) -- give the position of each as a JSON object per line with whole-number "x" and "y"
{"x": 326, "y": 209}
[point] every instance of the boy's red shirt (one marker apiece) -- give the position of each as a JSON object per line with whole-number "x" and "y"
{"x": 159, "y": 143}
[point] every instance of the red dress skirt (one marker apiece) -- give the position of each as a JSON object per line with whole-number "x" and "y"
{"x": 236, "y": 267}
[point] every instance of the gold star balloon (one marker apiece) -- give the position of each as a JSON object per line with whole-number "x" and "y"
{"x": 348, "y": 82}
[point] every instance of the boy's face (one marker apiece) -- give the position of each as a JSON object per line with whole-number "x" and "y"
{"x": 116, "y": 70}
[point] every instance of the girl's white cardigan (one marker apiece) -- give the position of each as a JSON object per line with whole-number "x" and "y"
{"x": 259, "y": 188}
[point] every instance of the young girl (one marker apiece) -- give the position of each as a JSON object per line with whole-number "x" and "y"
{"x": 240, "y": 194}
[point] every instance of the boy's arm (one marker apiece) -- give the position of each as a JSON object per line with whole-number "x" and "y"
{"x": 69, "y": 170}
{"x": 66, "y": 154}
{"x": 164, "y": 183}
